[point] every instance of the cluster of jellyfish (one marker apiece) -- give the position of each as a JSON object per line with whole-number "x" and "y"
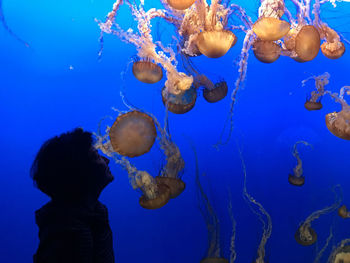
{"x": 133, "y": 134}
{"x": 338, "y": 123}
{"x": 202, "y": 28}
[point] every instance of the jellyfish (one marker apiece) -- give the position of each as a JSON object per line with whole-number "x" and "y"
{"x": 314, "y": 101}
{"x": 133, "y": 134}
{"x": 151, "y": 54}
{"x": 211, "y": 92}
{"x": 260, "y": 211}
{"x": 8, "y": 29}
{"x": 297, "y": 177}
{"x": 266, "y": 51}
{"x": 180, "y": 103}
{"x": 343, "y": 212}
{"x": 214, "y": 253}
{"x": 180, "y": 4}
{"x": 147, "y": 71}
{"x": 269, "y": 26}
{"x": 307, "y": 236}
{"x": 154, "y": 195}
{"x": 332, "y": 47}
{"x": 171, "y": 173}
{"x": 338, "y": 123}
{"x": 340, "y": 253}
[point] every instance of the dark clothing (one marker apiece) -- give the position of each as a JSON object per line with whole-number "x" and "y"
{"x": 74, "y": 234}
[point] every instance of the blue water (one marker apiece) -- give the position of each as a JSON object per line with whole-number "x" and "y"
{"x": 58, "y": 84}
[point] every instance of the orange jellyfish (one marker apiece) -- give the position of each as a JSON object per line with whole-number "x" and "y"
{"x": 314, "y": 101}
{"x": 151, "y": 54}
{"x": 180, "y": 4}
{"x": 307, "y": 236}
{"x": 269, "y": 26}
{"x": 217, "y": 93}
{"x": 154, "y": 194}
{"x": 147, "y": 71}
{"x": 297, "y": 177}
{"x": 340, "y": 253}
{"x": 133, "y": 134}
{"x": 266, "y": 51}
{"x": 302, "y": 43}
{"x": 171, "y": 173}
{"x": 205, "y": 29}
{"x": 180, "y": 103}
{"x": 332, "y": 47}
{"x": 343, "y": 212}
{"x": 338, "y": 123}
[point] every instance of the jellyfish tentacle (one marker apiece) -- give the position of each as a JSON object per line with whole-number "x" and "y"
{"x": 320, "y": 253}
{"x": 267, "y": 225}
{"x": 233, "y": 253}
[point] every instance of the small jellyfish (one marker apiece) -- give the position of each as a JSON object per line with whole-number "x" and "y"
{"x": 154, "y": 195}
{"x": 307, "y": 236}
{"x": 217, "y": 93}
{"x": 133, "y": 134}
{"x": 314, "y": 101}
{"x": 338, "y": 123}
{"x": 171, "y": 173}
{"x": 340, "y": 253}
{"x": 147, "y": 71}
{"x": 180, "y": 4}
{"x": 147, "y": 50}
{"x": 269, "y": 26}
{"x": 180, "y": 103}
{"x": 332, "y": 47}
{"x": 266, "y": 51}
{"x": 343, "y": 212}
{"x": 297, "y": 177}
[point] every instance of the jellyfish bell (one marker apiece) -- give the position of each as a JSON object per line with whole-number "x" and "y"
{"x": 342, "y": 255}
{"x": 343, "y": 212}
{"x": 180, "y": 4}
{"x": 163, "y": 196}
{"x": 338, "y": 123}
{"x": 215, "y": 44}
{"x": 307, "y": 43}
{"x": 333, "y": 50}
{"x": 176, "y": 185}
{"x": 313, "y": 105}
{"x": 147, "y": 71}
{"x": 214, "y": 260}
{"x": 270, "y": 28}
{"x": 296, "y": 180}
{"x": 180, "y": 103}
{"x": 266, "y": 51}
{"x": 218, "y": 93}
{"x": 305, "y": 237}
{"x": 133, "y": 134}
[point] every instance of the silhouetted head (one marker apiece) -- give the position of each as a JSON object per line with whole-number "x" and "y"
{"x": 69, "y": 169}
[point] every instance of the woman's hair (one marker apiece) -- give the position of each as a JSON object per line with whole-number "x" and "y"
{"x": 66, "y": 166}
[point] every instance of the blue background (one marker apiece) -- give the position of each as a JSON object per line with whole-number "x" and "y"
{"x": 40, "y": 96}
